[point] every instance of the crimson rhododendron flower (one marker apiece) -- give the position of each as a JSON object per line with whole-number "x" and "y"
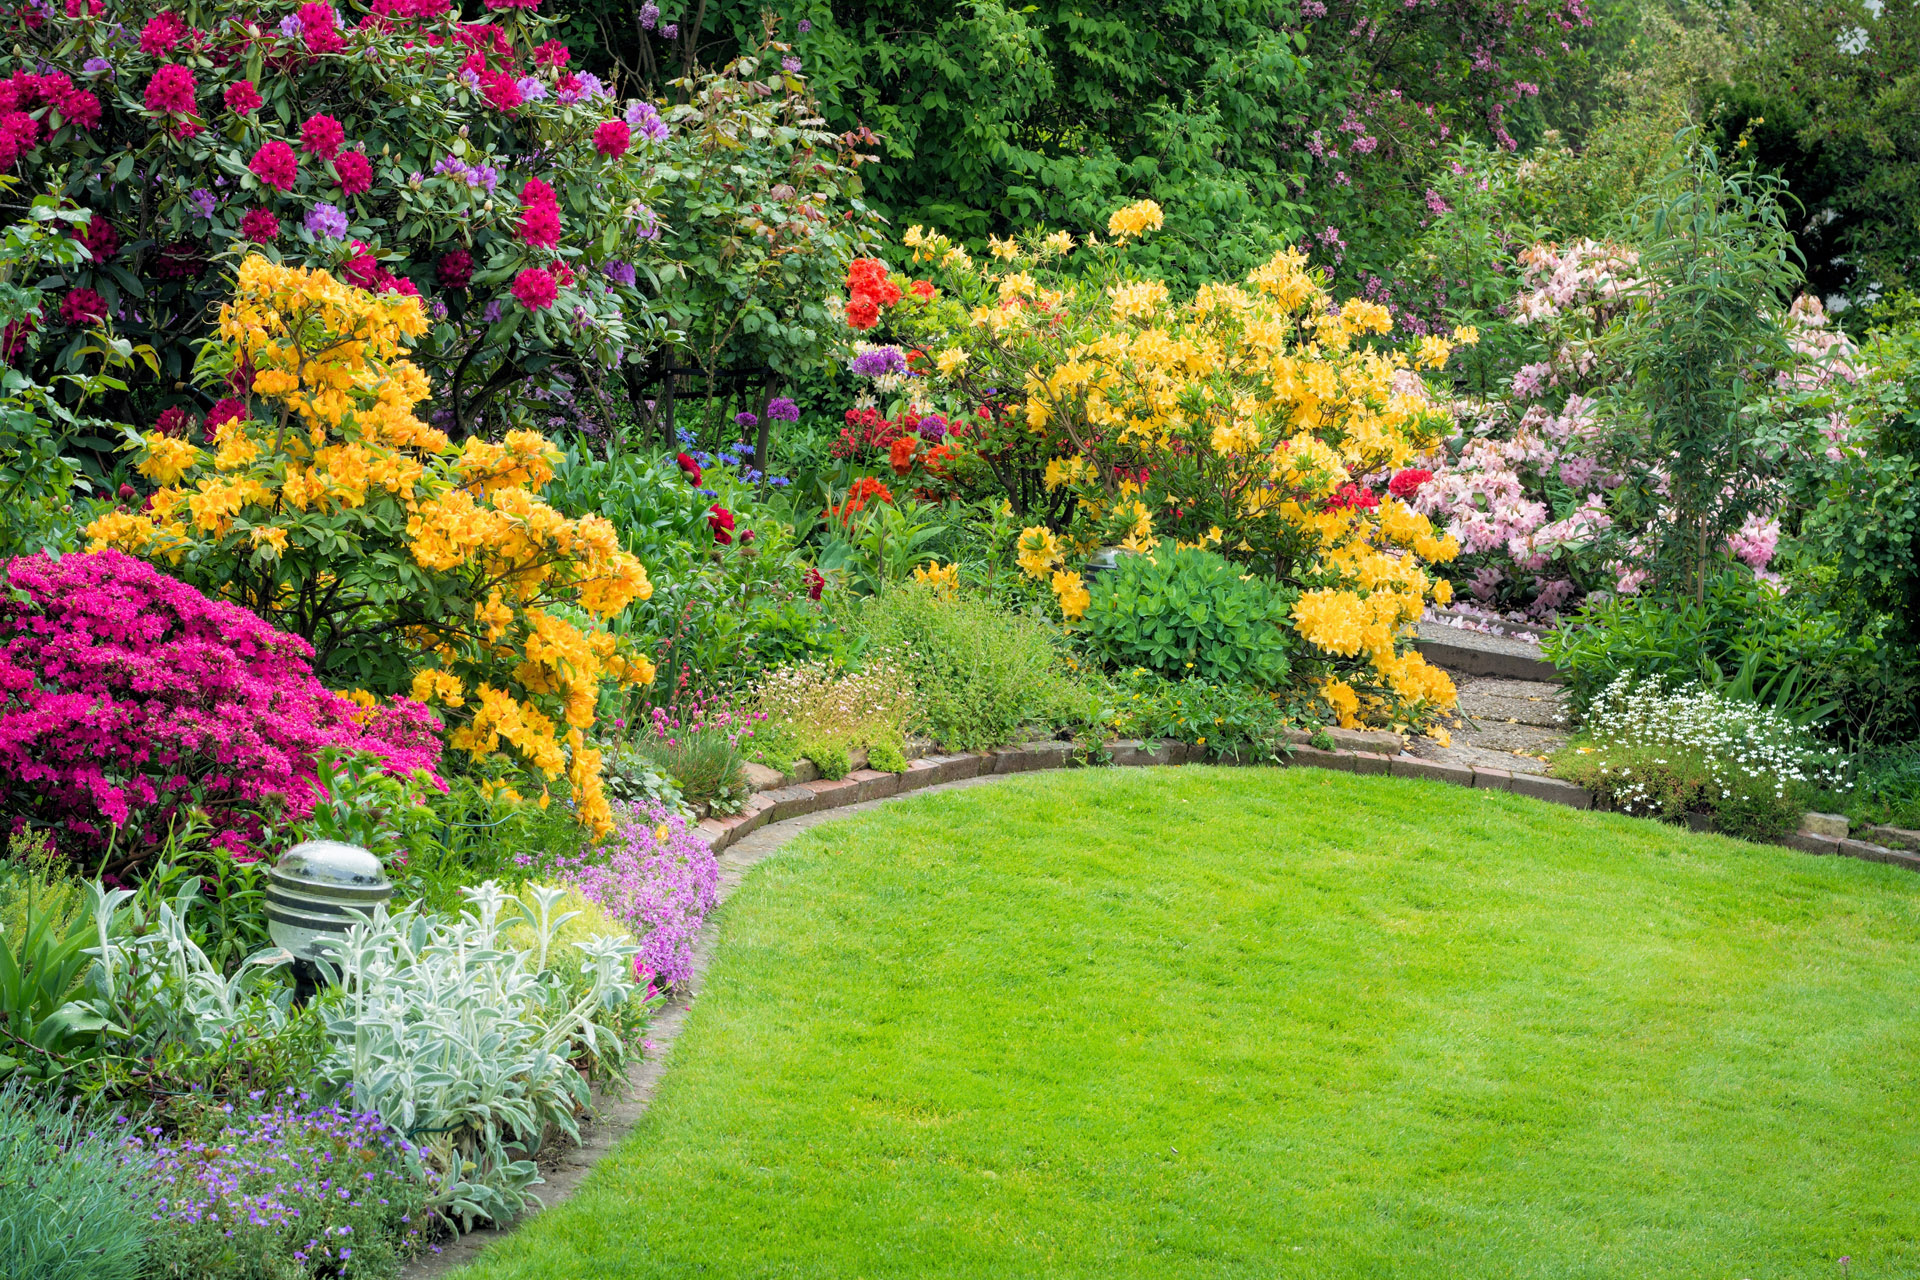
{"x": 227, "y": 410}
{"x": 260, "y": 226}
{"x": 355, "y": 171}
{"x": 242, "y": 98}
{"x": 174, "y": 422}
{"x": 276, "y": 165}
{"x": 612, "y": 139}
{"x": 322, "y": 136}
{"x": 455, "y": 268}
{"x": 162, "y": 32}
{"x": 171, "y": 89}
{"x": 535, "y": 289}
{"x": 83, "y": 306}
{"x": 1407, "y": 483}
{"x": 551, "y": 53}
{"x": 101, "y": 239}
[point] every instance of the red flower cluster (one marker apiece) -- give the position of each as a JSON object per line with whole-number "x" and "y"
{"x": 1351, "y": 497}
{"x": 535, "y": 289}
{"x": 900, "y": 455}
{"x": 83, "y": 306}
{"x": 276, "y": 165}
{"x": 242, "y": 98}
{"x": 355, "y": 171}
{"x": 720, "y": 520}
{"x": 551, "y": 54}
{"x": 867, "y": 432}
{"x": 500, "y": 88}
{"x": 863, "y": 491}
{"x": 455, "y": 269}
{"x": 260, "y": 226}
{"x": 322, "y": 136}
{"x": 318, "y": 31}
{"x": 101, "y": 239}
{"x": 85, "y": 8}
{"x": 225, "y": 411}
{"x": 868, "y": 290}
{"x": 1407, "y": 483}
{"x": 689, "y": 468}
{"x": 539, "y": 215}
{"x": 175, "y": 422}
{"x": 816, "y": 583}
{"x": 21, "y": 92}
{"x": 363, "y": 271}
{"x": 162, "y": 32}
{"x": 172, "y": 89}
{"x": 612, "y": 139}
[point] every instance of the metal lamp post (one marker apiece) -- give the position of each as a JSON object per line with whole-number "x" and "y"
{"x": 312, "y": 895}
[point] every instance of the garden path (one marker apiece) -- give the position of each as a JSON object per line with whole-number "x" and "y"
{"x": 1512, "y": 711}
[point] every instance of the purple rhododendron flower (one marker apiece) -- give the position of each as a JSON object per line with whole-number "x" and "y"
{"x": 204, "y": 202}
{"x": 327, "y": 222}
{"x": 96, "y": 66}
{"x": 531, "y": 90}
{"x": 621, "y": 273}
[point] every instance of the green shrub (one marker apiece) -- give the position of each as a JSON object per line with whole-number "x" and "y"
{"x": 1237, "y": 723}
{"x": 1188, "y": 612}
{"x": 831, "y": 759}
{"x": 74, "y": 1202}
{"x": 811, "y": 707}
{"x": 978, "y": 674}
{"x": 887, "y": 758}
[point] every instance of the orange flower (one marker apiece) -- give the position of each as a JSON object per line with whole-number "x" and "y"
{"x": 900, "y": 455}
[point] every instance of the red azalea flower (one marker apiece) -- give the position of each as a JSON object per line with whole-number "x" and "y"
{"x": 923, "y": 288}
{"x": 720, "y": 520}
{"x": 500, "y": 90}
{"x": 79, "y": 108}
{"x": 690, "y": 467}
{"x": 355, "y": 172}
{"x": 225, "y": 411}
{"x": 174, "y": 422}
{"x": 322, "y": 136}
{"x": 535, "y": 289}
{"x": 1408, "y": 482}
{"x": 172, "y": 89}
{"x": 101, "y": 239}
{"x": 162, "y": 32}
{"x": 612, "y": 139}
{"x": 900, "y": 455}
{"x": 540, "y": 225}
{"x": 242, "y": 98}
{"x": 1352, "y": 497}
{"x": 551, "y": 54}
{"x": 83, "y": 306}
{"x": 276, "y": 165}
{"x": 260, "y": 226}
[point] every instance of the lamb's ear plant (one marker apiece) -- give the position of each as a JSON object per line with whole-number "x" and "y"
{"x": 465, "y": 1044}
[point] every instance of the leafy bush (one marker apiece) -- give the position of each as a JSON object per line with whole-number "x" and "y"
{"x": 701, "y": 741}
{"x": 1238, "y": 723}
{"x": 1663, "y": 751}
{"x": 127, "y": 698}
{"x": 41, "y": 963}
{"x": 1212, "y": 418}
{"x": 658, "y": 881}
{"x": 76, "y": 1200}
{"x": 448, "y": 1034}
{"x": 285, "y": 1193}
{"x": 978, "y": 674}
{"x": 816, "y": 709}
{"x": 329, "y": 509}
{"x": 1181, "y": 611}
{"x": 1786, "y": 650}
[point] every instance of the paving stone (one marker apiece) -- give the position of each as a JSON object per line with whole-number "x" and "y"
{"x": 827, "y": 790}
{"x": 1877, "y": 853}
{"x": 1552, "y": 790}
{"x": 714, "y": 833}
{"x": 1178, "y": 752}
{"x": 874, "y": 784}
{"x": 1315, "y": 758}
{"x": 920, "y": 773}
{"x": 953, "y": 768}
{"x": 1527, "y": 702}
{"x": 1369, "y": 762}
{"x": 761, "y": 778}
{"x": 1376, "y": 740}
{"x": 1028, "y": 757}
{"x": 1832, "y": 825}
{"x": 790, "y": 802}
{"x": 1130, "y": 752}
{"x": 1894, "y": 837}
{"x": 1474, "y": 653}
{"x": 1811, "y": 844}
{"x": 1492, "y": 779}
{"x": 1408, "y": 766}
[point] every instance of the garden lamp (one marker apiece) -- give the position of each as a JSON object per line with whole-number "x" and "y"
{"x": 313, "y": 891}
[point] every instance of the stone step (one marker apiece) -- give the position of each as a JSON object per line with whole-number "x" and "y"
{"x": 1473, "y": 653}
{"x": 1532, "y": 702}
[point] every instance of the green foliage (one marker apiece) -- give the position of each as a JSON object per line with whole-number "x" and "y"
{"x": 886, "y": 757}
{"x": 979, "y": 674}
{"x": 880, "y": 545}
{"x": 1233, "y": 722}
{"x": 1180, "y": 612}
{"x": 831, "y": 758}
{"x": 705, "y": 762}
{"x": 634, "y": 778}
{"x": 1784, "y": 650}
{"x": 75, "y": 1204}
{"x": 40, "y": 970}
{"x": 1885, "y": 788}
{"x": 1716, "y": 249}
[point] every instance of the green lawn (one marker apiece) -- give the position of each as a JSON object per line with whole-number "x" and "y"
{"x": 1213, "y": 1022}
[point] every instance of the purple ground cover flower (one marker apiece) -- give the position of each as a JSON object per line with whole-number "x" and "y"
{"x": 658, "y": 881}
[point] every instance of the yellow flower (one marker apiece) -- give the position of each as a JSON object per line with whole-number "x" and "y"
{"x": 167, "y": 459}
{"x": 1136, "y": 219}
{"x": 1345, "y": 703}
{"x": 1442, "y": 591}
{"x": 1038, "y": 551}
{"x": 1058, "y": 244}
{"x": 1072, "y": 595}
{"x": 945, "y": 579}
{"x": 1003, "y": 249}
{"x": 950, "y": 361}
{"x": 269, "y": 541}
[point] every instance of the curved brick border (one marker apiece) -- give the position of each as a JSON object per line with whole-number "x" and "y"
{"x": 784, "y": 806}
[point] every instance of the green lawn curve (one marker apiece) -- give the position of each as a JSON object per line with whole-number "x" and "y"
{"x": 1275, "y": 1023}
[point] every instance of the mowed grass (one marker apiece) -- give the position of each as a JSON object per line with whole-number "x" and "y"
{"x": 1214, "y": 1022}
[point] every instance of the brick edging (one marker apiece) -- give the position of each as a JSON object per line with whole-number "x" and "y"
{"x": 790, "y": 797}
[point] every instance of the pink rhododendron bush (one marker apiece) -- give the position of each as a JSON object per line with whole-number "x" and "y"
{"x": 127, "y": 699}
{"x": 1550, "y": 488}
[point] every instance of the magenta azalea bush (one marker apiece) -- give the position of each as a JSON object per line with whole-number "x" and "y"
{"x": 127, "y": 697}
{"x": 653, "y": 876}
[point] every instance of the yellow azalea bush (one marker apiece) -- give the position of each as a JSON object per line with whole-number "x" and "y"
{"x": 1255, "y": 419}
{"x": 320, "y": 501}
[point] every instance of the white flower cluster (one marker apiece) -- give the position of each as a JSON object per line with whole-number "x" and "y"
{"x": 1739, "y": 742}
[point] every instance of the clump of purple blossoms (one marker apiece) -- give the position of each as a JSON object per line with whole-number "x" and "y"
{"x": 304, "y": 1190}
{"x": 790, "y": 65}
{"x": 621, "y": 273}
{"x": 203, "y": 201}
{"x": 657, "y": 880}
{"x": 782, "y": 409}
{"x": 327, "y": 222}
{"x": 473, "y": 175}
{"x": 649, "y": 16}
{"x": 879, "y": 362}
{"x": 933, "y": 428}
{"x": 644, "y": 118}
{"x": 530, "y": 88}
